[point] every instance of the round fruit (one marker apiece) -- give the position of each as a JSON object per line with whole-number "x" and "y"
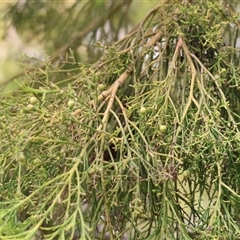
{"x": 101, "y": 86}
{"x": 21, "y": 157}
{"x": 71, "y": 104}
{"x": 29, "y": 107}
{"x": 33, "y": 100}
{"x": 163, "y": 128}
{"x": 186, "y": 174}
{"x": 143, "y": 110}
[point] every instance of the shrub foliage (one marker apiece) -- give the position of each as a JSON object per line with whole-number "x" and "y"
{"x": 144, "y": 143}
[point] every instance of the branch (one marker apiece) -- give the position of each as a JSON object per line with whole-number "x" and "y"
{"x": 113, "y": 89}
{"x": 127, "y": 72}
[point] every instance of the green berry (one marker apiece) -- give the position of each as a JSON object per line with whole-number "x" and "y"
{"x": 163, "y": 128}
{"x": 143, "y": 110}
{"x": 29, "y": 108}
{"x": 71, "y": 104}
{"x": 21, "y": 157}
{"x": 186, "y": 174}
{"x": 33, "y": 100}
{"x": 101, "y": 86}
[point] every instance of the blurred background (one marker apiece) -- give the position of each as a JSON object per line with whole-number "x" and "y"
{"x": 31, "y": 30}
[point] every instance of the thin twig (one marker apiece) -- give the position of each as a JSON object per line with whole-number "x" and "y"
{"x": 220, "y": 91}
{"x": 127, "y": 72}
{"x": 113, "y": 91}
{"x": 193, "y": 71}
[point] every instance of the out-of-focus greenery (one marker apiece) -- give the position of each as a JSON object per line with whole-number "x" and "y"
{"x": 55, "y": 25}
{"x": 128, "y": 144}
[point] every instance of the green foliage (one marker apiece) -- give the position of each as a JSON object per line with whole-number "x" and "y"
{"x": 61, "y": 27}
{"x": 132, "y": 144}
{"x": 57, "y": 23}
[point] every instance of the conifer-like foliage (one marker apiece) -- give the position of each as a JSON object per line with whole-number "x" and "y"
{"x": 142, "y": 144}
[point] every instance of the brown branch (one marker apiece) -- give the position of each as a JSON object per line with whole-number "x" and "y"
{"x": 127, "y": 72}
{"x": 113, "y": 92}
{"x": 113, "y": 89}
{"x": 193, "y": 71}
